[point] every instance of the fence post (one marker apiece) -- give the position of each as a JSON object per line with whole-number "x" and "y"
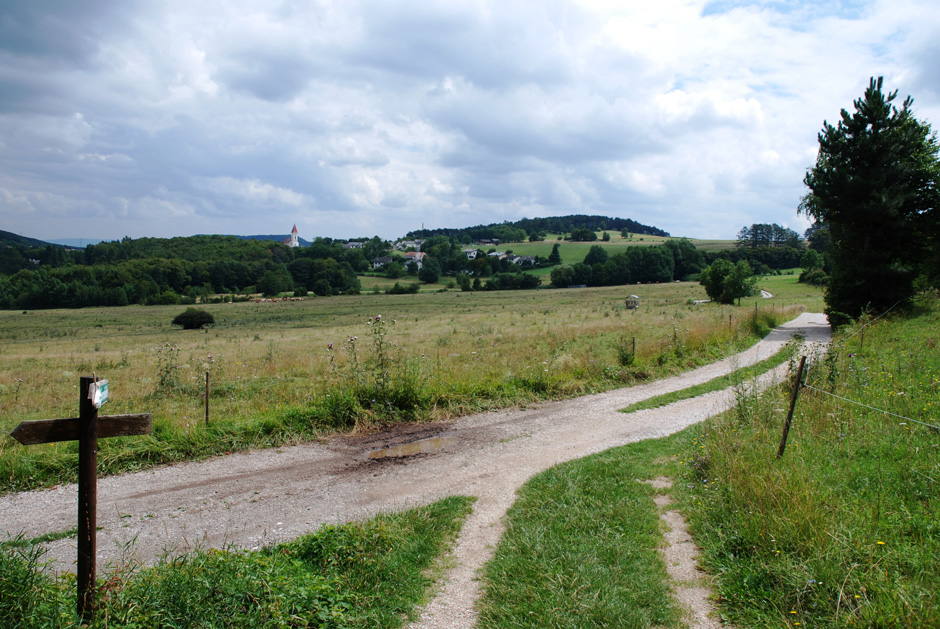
{"x": 207, "y": 398}
{"x": 793, "y": 396}
{"x": 87, "y": 498}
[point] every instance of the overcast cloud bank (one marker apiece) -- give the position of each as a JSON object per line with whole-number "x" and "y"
{"x": 357, "y": 118}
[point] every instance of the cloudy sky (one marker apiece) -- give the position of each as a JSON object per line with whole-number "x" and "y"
{"x": 360, "y": 118}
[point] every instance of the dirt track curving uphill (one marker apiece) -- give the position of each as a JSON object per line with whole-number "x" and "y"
{"x": 257, "y": 498}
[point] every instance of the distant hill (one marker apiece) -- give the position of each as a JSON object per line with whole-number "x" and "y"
{"x": 9, "y": 238}
{"x": 276, "y": 238}
{"x": 77, "y": 243}
{"x": 554, "y": 225}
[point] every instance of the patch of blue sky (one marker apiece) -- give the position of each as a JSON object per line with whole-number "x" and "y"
{"x": 816, "y": 9}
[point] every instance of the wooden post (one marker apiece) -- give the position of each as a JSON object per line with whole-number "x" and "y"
{"x": 87, "y": 498}
{"x": 87, "y": 428}
{"x": 207, "y": 398}
{"x": 793, "y": 396}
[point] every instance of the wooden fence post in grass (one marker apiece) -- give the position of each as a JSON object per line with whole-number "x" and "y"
{"x": 86, "y": 428}
{"x": 87, "y": 497}
{"x": 793, "y": 396}
{"x": 207, "y": 398}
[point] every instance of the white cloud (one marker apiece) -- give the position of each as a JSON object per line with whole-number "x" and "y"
{"x": 251, "y": 190}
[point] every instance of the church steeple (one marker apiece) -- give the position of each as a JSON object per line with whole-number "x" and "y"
{"x": 293, "y": 241}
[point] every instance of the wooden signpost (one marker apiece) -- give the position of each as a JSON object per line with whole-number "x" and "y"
{"x": 87, "y": 428}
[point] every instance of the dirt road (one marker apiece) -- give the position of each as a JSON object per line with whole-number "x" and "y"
{"x": 257, "y": 498}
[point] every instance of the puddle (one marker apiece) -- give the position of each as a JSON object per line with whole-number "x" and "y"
{"x": 434, "y": 444}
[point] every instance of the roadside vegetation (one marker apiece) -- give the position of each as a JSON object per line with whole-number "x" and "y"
{"x": 372, "y": 573}
{"x": 283, "y": 373}
{"x": 842, "y": 531}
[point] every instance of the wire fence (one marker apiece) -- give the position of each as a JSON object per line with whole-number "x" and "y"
{"x": 861, "y": 330}
{"x": 880, "y": 410}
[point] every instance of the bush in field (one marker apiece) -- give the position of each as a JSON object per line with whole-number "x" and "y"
{"x": 562, "y": 275}
{"x": 407, "y": 289}
{"x": 193, "y": 319}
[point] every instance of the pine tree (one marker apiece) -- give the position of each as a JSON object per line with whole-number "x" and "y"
{"x": 876, "y": 186}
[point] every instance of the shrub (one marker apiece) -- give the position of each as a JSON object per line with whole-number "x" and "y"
{"x": 193, "y": 319}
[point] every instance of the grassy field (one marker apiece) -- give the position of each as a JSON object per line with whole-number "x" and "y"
{"x": 289, "y": 371}
{"x": 572, "y": 252}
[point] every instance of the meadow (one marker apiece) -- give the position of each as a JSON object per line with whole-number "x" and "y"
{"x": 292, "y": 371}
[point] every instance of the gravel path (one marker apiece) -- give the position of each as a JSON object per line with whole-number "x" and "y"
{"x": 258, "y": 498}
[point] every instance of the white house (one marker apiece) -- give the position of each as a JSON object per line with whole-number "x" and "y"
{"x": 415, "y": 256}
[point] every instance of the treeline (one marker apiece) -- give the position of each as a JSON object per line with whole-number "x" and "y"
{"x": 536, "y": 228}
{"x": 673, "y": 260}
{"x": 173, "y": 270}
{"x": 772, "y": 235}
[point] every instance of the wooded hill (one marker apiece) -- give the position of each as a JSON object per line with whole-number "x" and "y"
{"x": 526, "y": 228}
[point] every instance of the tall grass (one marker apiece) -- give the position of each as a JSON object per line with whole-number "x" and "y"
{"x": 843, "y": 530}
{"x": 365, "y": 574}
{"x": 275, "y": 379}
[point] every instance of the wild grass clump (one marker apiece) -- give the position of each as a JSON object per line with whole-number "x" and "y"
{"x": 842, "y": 530}
{"x": 365, "y": 574}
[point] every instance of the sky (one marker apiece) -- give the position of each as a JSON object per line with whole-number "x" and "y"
{"x": 359, "y": 118}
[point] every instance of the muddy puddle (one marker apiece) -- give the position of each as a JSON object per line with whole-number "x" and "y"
{"x": 422, "y": 446}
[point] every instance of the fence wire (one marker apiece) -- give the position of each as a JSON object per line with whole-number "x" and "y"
{"x": 880, "y": 410}
{"x": 856, "y": 403}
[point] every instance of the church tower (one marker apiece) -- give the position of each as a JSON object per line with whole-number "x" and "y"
{"x": 293, "y": 237}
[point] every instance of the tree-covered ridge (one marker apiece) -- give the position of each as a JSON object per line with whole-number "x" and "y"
{"x": 522, "y": 229}
{"x": 170, "y": 270}
{"x": 192, "y": 248}
{"x": 9, "y": 238}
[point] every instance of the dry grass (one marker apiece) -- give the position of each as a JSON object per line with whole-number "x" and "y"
{"x": 469, "y": 351}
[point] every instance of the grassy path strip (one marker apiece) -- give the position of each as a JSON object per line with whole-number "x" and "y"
{"x": 732, "y": 379}
{"x": 365, "y": 574}
{"x": 581, "y": 547}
